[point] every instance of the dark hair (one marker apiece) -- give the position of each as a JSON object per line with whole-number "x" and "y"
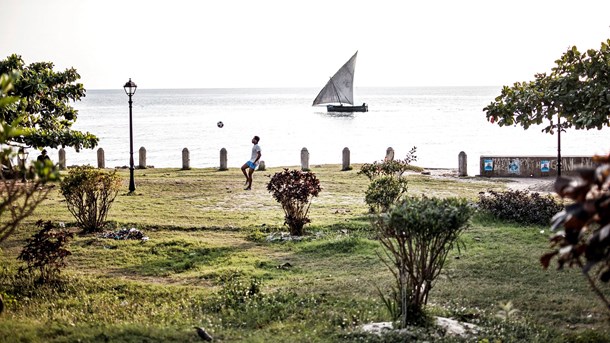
{"x": 257, "y": 138}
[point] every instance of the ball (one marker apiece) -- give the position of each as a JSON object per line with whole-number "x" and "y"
{"x": 220, "y": 124}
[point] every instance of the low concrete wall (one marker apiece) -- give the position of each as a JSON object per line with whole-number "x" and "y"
{"x": 531, "y": 166}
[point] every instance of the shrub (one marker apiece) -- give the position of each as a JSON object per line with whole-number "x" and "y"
{"x": 583, "y": 239}
{"x": 388, "y": 167}
{"x": 294, "y": 190}
{"x": 387, "y": 183}
{"x": 385, "y": 191}
{"x": 45, "y": 252}
{"x": 520, "y": 206}
{"x": 89, "y": 193}
{"x": 417, "y": 234}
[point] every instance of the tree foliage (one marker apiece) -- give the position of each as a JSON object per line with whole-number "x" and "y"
{"x": 89, "y": 194}
{"x": 46, "y": 251}
{"x": 17, "y": 199}
{"x": 388, "y": 185}
{"x": 43, "y": 102}
{"x": 576, "y": 93}
{"x": 417, "y": 234}
{"x": 583, "y": 227}
{"x": 294, "y": 190}
{"x": 520, "y": 206}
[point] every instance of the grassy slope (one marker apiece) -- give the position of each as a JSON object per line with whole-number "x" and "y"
{"x": 198, "y": 222}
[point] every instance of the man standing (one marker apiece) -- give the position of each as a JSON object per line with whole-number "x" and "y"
{"x": 43, "y": 156}
{"x": 252, "y": 163}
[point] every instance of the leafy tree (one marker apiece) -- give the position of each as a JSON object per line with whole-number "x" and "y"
{"x": 43, "y": 99}
{"x": 575, "y": 94}
{"x": 17, "y": 199}
{"x": 576, "y": 90}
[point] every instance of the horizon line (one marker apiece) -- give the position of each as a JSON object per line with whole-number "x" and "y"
{"x": 295, "y": 87}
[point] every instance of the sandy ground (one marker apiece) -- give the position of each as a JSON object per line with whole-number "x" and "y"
{"x": 540, "y": 185}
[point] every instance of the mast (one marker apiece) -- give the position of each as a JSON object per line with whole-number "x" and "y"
{"x": 336, "y": 91}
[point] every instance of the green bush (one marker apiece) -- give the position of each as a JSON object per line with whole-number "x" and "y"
{"x": 520, "y": 206}
{"x": 89, "y": 193}
{"x": 45, "y": 252}
{"x": 387, "y": 183}
{"x": 388, "y": 167}
{"x": 294, "y": 190}
{"x": 385, "y": 191}
{"x": 417, "y": 234}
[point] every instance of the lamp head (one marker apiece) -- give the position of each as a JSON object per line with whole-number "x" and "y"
{"x": 130, "y": 87}
{"x": 22, "y": 154}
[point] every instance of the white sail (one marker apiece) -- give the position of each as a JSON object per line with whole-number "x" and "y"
{"x": 340, "y": 88}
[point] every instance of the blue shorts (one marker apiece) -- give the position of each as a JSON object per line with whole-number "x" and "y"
{"x": 251, "y": 165}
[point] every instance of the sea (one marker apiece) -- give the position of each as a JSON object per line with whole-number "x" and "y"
{"x": 440, "y": 122}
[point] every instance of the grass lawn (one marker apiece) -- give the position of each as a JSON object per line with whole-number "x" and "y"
{"x": 206, "y": 249}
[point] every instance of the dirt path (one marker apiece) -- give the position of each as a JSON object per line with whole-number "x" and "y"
{"x": 540, "y": 185}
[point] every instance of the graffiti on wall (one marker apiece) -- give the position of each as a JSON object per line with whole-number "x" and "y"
{"x": 530, "y": 166}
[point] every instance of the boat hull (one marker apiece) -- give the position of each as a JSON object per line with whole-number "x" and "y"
{"x": 346, "y": 108}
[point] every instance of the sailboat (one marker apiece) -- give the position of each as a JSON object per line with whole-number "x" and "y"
{"x": 339, "y": 90}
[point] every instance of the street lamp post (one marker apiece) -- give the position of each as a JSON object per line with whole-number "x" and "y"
{"x": 130, "y": 89}
{"x": 22, "y": 155}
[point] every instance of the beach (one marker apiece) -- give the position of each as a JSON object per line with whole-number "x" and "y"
{"x": 440, "y": 121}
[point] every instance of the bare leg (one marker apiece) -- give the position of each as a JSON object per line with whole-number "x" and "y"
{"x": 243, "y": 170}
{"x": 249, "y": 182}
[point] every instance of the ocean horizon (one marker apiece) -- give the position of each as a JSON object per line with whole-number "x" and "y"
{"x": 440, "y": 121}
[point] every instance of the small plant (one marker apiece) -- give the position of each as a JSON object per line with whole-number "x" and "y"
{"x": 388, "y": 167}
{"x": 391, "y": 302}
{"x": 417, "y": 234}
{"x": 46, "y": 251}
{"x": 507, "y": 311}
{"x": 89, "y": 193}
{"x": 384, "y": 191}
{"x": 520, "y": 206}
{"x": 294, "y": 190}
{"x": 387, "y": 182}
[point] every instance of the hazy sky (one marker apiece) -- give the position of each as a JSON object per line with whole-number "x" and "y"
{"x": 284, "y": 43}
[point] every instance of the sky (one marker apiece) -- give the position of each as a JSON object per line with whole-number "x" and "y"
{"x": 283, "y": 43}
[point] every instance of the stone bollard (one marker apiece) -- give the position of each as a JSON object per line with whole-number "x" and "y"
{"x": 261, "y": 166}
{"x": 223, "y": 159}
{"x": 101, "y": 163}
{"x": 62, "y": 159}
{"x": 185, "y": 159}
{"x": 142, "y": 158}
{"x": 346, "y": 161}
{"x": 389, "y": 154}
{"x": 304, "y": 159}
{"x": 462, "y": 164}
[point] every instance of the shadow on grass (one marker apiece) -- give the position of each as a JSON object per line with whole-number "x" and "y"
{"x": 177, "y": 256}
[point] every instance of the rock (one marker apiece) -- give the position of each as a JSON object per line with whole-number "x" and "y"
{"x": 451, "y": 327}
{"x": 203, "y": 334}
{"x": 377, "y": 328}
{"x": 454, "y": 328}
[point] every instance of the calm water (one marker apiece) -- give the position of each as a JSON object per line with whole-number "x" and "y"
{"x": 439, "y": 121}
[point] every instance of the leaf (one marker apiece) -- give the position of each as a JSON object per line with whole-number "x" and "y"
{"x": 545, "y": 259}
